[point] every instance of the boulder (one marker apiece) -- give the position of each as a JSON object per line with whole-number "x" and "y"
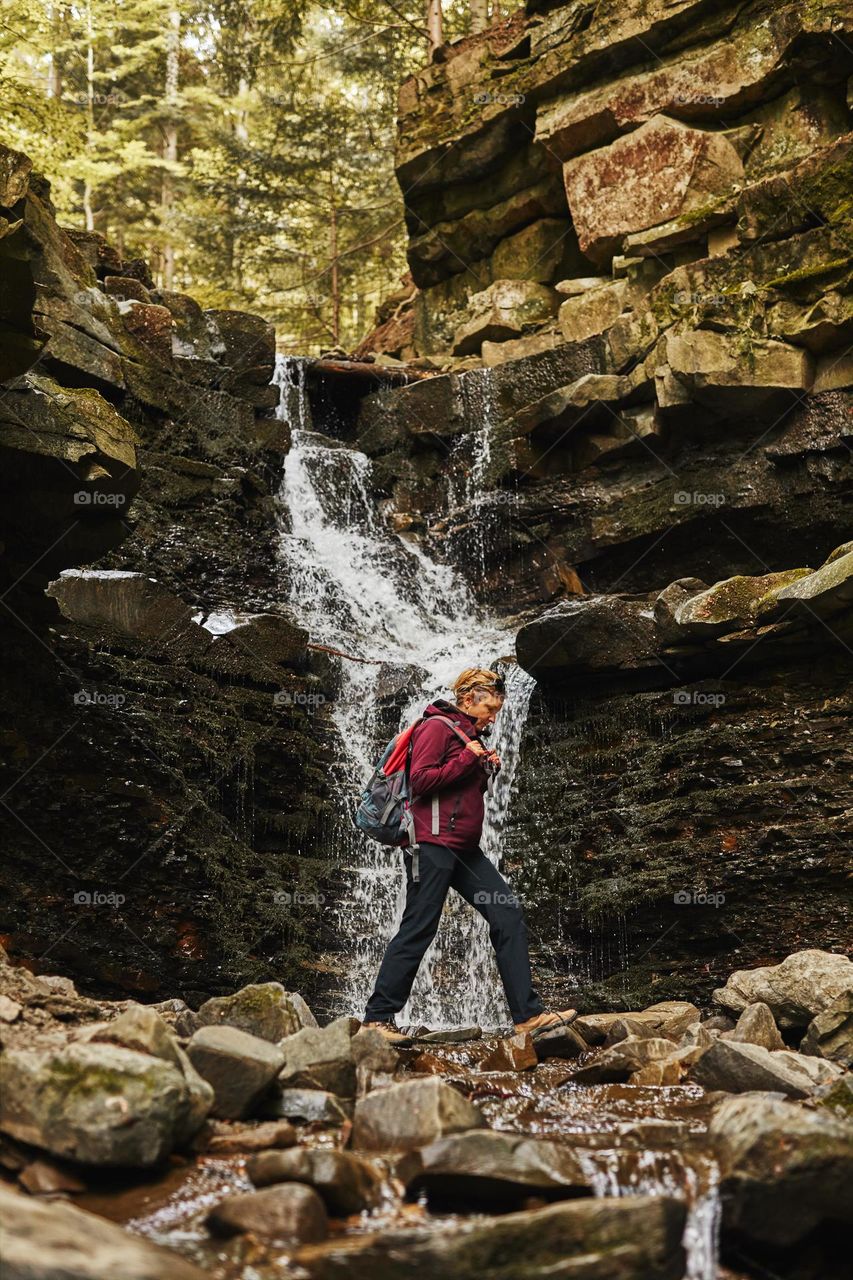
{"x": 823, "y": 592}
{"x": 592, "y": 312}
{"x": 309, "y": 1106}
{"x": 560, "y": 1042}
{"x": 97, "y": 1103}
{"x": 131, "y": 605}
{"x": 346, "y": 1183}
{"x": 803, "y": 985}
{"x": 372, "y": 1052}
{"x": 409, "y": 1115}
{"x": 733, "y": 603}
{"x": 714, "y": 371}
{"x": 635, "y": 1238}
{"x": 48, "y": 1239}
{"x": 621, "y": 1060}
{"x": 756, "y": 1026}
{"x": 784, "y": 1170}
{"x": 830, "y": 1034}
{"x": 288, "y": 1214}
{"x": 263, "y": 1009}
{"x": 503, "y": 311}
{"x": 139, "y": 1027}
{"x": 661, "y": 171}
{"x": 264, "y": 1135}
{"x": 497, "y": 1169}
{"x": 320, "y": 1058}
{"x": 240, "y": 1067}
{"x": 589, "y": 635}
{"x": 513, "y": 1053}
{"x": 534, "y": 253}
{"x": 742, "y": 1068}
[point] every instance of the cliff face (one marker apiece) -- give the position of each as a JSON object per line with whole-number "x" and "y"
{"x": 630, "y": 232}
{"x": 164, "y": 801}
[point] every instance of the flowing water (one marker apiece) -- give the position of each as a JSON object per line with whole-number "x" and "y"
{"x": 377, "y": 596}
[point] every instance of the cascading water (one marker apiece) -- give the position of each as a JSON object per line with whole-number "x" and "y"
{"x": 366, "y": 591}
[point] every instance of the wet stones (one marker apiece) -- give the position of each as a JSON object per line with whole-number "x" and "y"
{"x": 320, "y": 1058}
{"x": 795, "y": 991}
{"x": 486, "y": 1167}
{"x": 784, "y": 1170}
{"x": 98, "y": 1104}
{"x": 262, "y": 1009}
{"x": 756, "y": 1025}
{"x": 48, "y": 1238}
{"x": 289, "y": 1214}
{"x": 346, "y": 1183}
{"x": 410, "y": 1115}
{"x": 741, "y": 1068}
{"x": 638, "y": 1238}
{"x": 240, "y": 1067}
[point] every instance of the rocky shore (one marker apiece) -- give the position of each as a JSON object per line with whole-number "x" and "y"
{"x": 242, "y": 1139}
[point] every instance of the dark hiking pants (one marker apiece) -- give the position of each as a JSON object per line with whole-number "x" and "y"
{"x": 481, "y": 884}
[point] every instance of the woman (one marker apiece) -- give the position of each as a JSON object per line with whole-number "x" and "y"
{"x": 448, "y": 773}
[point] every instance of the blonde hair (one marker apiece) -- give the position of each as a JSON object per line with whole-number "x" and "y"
{"x": 473, "y": 678}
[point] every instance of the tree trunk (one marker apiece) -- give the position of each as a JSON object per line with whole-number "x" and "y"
{"x": 333, "y": 253}
{"x": 54, "y": 66}
{"x": 88, "y": 211}
{"x": 479, "y": 15}
{"x": 170, "y": 147}
{"x": 433, "y": 22}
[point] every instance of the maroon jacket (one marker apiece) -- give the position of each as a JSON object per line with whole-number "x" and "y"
{"x": 447, "y": 780}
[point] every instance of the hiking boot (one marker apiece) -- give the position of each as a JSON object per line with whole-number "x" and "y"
{"x": 390, "y": 1032}
{"x": 547, "y": 1022}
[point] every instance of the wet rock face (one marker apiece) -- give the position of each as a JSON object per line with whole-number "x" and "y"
{"x": 146, "y": 440}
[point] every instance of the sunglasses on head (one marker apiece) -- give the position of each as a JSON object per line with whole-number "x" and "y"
{"x": 493, "y": 686}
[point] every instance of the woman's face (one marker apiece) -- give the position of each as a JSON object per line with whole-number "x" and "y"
{"x": 483, "y": 706}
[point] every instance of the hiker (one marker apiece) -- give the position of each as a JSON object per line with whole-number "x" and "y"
{"x": 449, "y": 771}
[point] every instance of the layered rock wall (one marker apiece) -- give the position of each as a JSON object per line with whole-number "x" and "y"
{"x": 165, "y": 807}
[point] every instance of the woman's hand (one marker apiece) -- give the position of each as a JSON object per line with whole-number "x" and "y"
{"x": 477, "y": 747}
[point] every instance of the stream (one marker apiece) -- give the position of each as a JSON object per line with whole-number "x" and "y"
{"x": 414, "y": 624}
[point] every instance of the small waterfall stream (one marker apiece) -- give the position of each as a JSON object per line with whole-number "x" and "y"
{"x": 363, "y": 589}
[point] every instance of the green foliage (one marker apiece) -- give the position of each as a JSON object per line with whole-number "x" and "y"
{"x": 243, "y": 147}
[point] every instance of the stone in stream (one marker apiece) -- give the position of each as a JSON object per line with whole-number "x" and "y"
{"x": 740, "y": 1068}
{"x": 803, "y": 985}
{"x": 320, "y": 1058}
{"x": 449, "y": 1035}
{"x": 559, "y": 1042}
{"x": 494, "y": 1168}
{"x": 239, "y": 1066}
{"x": 48, "y": 1239}
{"x": 227, "y": 1139}
{"x": 412, "y": 1114}
{"x": 830, "y": 1034}
{"x": 290, "y": 1213}
{"x": 371, "y": 1051}
{"x": 308, "y": 1106}
{"x": 97, "y": 1103}
{"x": 513, "y": 1053}
{"x": 669, "y": 1018}
{"x": 635, "y": 1238}
{"x": 346, "y": 1183}
{"x": 263, "y": 1009}
{"x": 621, "y": 1060}
{"x": 756, "y": 1025}
{"x": 784, "y": 1170}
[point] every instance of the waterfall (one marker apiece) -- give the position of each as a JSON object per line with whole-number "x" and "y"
{"x": 666, "y": 1173}
{"x": 363, "y": 589}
